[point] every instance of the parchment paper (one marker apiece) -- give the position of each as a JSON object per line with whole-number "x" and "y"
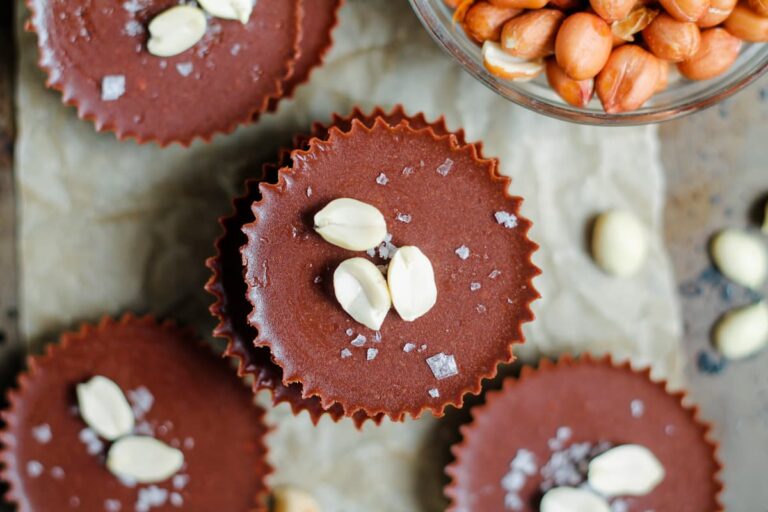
{"x": 109, "y": 226}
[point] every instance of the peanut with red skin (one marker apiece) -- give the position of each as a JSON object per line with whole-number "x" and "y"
{"x": 718, "y": 12}
{"x": 583, "y": 45}
{"x": 532, "y": 34}
{"x": 672, "y": 40}
{"x": 519, "y": 4}
{"x": 686, "y": 10}
{"x": 747, "y": 24}
{"x": 759, "y": 6}
{"x": 612, "y": 10}
{"x": 628, "y": 80}
{"x": 483, "y": 21}
{"x": 717, "y": 53}
{"x": 663, "y": 76}
{"x": 574, "y": 92}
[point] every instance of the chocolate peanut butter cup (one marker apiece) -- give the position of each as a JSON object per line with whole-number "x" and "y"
{"x": 133, "y": 414}
{"x": 227, "y": 285}
{"x": 435, "y": 193}
{"x": 581, "y": 424}
{"x": 97, "y": 53}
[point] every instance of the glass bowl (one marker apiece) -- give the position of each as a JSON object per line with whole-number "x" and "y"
{"x": 682, "y": 97}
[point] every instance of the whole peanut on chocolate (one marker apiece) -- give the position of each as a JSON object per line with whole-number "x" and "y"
{"x": 484, "y": 20}
{"x": 672, "y": 40}
{"x": 747, "y": 24}
{"x": 532, "y": 35}
{"x": 583, "y": 45}
{"x": 628, "y": 80}
{"x": 717, "y": 52}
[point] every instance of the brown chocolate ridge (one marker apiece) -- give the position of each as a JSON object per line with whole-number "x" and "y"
{"x": 231, "y": 307}
{"x": 61, "y": 81}
{"x": 462, "y": 449}
{"x": 56, "y": 354}
{"x": 273, "y": 191}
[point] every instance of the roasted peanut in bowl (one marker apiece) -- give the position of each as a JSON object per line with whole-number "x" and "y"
{"x": 605, "y": 61}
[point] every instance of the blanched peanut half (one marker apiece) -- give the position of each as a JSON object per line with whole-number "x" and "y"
{"x": 104, "y": 408}
{"x": 574, "y": 92}
{"x": 229, "y": 9}
{"x": 520, "y": 4}
{"x": 291, "y": 499}
{"x": 483, "y": 21}
{"x": 351, "y": 224}
{"x": 612, "y": 10}
{"x": 176, "y": 30}
{"x": 411, "y": 281}
{"x": 718, "y": 12}
{"x": 573, "y": 499}
{"x": 583, "y": 45}
{"x": 624, "y": 30}
{"x": 628, "y": 80}
{"x": 741, "y": 257}
{"x": 532, "y": 35}
{"x": 143, "y": 459}
{"x": 759, "y": 6}
{"x": 717, "y": 53}
{"x": 627, "y": 470}
{"x": 686, "y": 10}
{"x": 742, "y": 332}
{"x": 663, "y": 82}
{"x": 672, "y": 40}
{"x": 748, "y": 25}
{"x": 503, "y": 65}
{"x": 362, "y": 291}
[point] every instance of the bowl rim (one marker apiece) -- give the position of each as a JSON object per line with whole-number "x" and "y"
{"x": 447, "y": 41}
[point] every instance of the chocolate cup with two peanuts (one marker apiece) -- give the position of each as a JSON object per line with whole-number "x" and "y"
{"x": 273, "y": 274}
{"x": 99, "y": 58}
{"x": 620, "y": 50}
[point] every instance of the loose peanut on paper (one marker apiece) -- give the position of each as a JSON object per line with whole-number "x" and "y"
{"x": 361, "y": 290}
{"x": 351, "y": 224}
{"x": 741, "y": 257}
{"x": 176, "y": 30}
{"x": 627, "y": 470}
{"x": 143, "y": 459}
{"x": 104, "y": 408}
{"x": 571, "y": 499}
{"x": 619, "y": 243}
{"x": 742, "y": 332}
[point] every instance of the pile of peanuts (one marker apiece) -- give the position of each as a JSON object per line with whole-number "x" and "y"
{"x": 621, "y": 49}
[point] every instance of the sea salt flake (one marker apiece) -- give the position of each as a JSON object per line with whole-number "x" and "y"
{"x": 34, "y": 469}
{"x": 494, "y": 274}
{"x": 444, "y": 168}
{"x": 481, "y": 308}
{"x": 404, "y": 217}
{"x": 442, "y": 366}
{"x": 151, "y": 497}
{"x": 359, "y": 341}
{"x": 619, "y": 506}
{"x": 382, "y": 179}
{"x": 407, "y": 171}
{"x": 377, "y": 336}
{"x": 141, "y": 400}
{"x": 513, "y": 502}
{"x": 508, "y": 220}
{"x": 177, "y": 500}
{"x": 112, "y": 506}
{"x": 525, "y": 462}
{"x": 90, "y": 439}
{"x": 463, "y": 252}
{"x": 309, "y": 191}
{"x": 185, "y": 68}
{"x": 409, "y": 347}
{"x": 180, "y": 481}
{"x": 637, "y": 408}
{"x": 42, "y": 433}
{"x": 669, "y": 430}
{"x": 235, "y": 49}
{"x": 57, "y": 472}
{"x": 345, "y": 353}
{"x": 434, "y": 393}
{"x": 371, "y": 354}
{"x": 318, "y": 280}
{"x": 423, "y": 348}
{"x": 189, "y": 443}
{"x": 112, "y": 87}
{"x": 133, "y": 28}
{"x": 475, "y": 286}
{"x": 350, "y": 332}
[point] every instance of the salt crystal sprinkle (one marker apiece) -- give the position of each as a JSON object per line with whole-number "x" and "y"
{"x": 42, "y": 433}
{"x": 442, "y": 366}
{"x": 34, "y": 469}
{"x": 185, "y": 68}
{"x": 521, "y": 467}
{"x": 481, "y": 308}
{"x": 382, "y": 179}
{"x": 463, "y": 252}
{"x": 371, "y": 354}
{"x": 177, "y": 500}
{"x": 151, "y": 497}
{"x": 359, "y": 341}
{"x": 142, "y": 401}
{"x": 112, "y": 87}
{"x": 345, "y": 353}
{"x": 90, "y": 439}
{"x": 180, "y": 481}
{"x": 407, "y": 171}
{"x": 309, "y": 191}
{"x": 444, "y": 168}
{"x": 112, "y": 506}
{"x": 434, "y": 393}
{"x": 637, "y": 407}
{"x": 57, "y": 472}
{"x": 404, "y": 217}
{"x": 409, "y": 347}
{"x": 494, "y": 274}
{"x": 475, "y": 286}
{"x": 508, "y": 220}
{"x": 350, "y": 332}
